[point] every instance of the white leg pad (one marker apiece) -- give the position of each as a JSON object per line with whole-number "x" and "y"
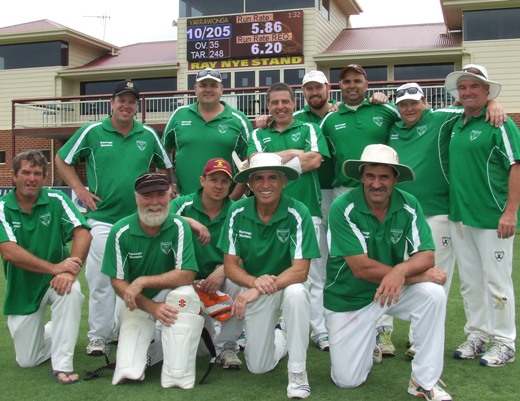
{"x": 135, "y": 336}
{"x": 181, "y": 340}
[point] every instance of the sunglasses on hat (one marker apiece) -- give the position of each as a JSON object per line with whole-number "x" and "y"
{"x": 411, "y": 91}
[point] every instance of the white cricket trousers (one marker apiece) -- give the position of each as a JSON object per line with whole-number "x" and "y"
{"x": 101, "y": 306}
{"x": 317, "y": 277}
{"x": 35, "y": 341}
{"x": 444, "y": 258}
{"x": 486, "y": 283}
{"x": 352, "y": 340}
{"x": 265, "y": 345}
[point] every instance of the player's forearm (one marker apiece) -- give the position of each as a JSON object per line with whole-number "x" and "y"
{"x": 81, "y": 243}
{"x": 172, "y": 279}
{"x": 417, "y": 264}
{"x": 310, "y": 161}
{"x": 513, "y": 196}
{"x": 18, "y": 256}
{"x": 236, "y": 273}
{"x": 297, "y": 273}
{"x": 68, "y": 173}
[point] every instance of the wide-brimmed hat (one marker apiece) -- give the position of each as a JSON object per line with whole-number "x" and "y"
{"x": 266, "y": 162}
{"x": 408, "y": 91}
{"x": 378, "y": 154}
{"x": 471, "y": 71}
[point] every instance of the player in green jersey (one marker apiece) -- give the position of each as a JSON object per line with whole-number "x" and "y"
{"x": 36, "y": 224}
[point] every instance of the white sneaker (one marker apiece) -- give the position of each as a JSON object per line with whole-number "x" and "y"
{"x": 498, "y": 355}
{"x": 384, "y": 341}
{"x": 323, "y": 344}
{"x": 437, "y": 393}
{"x": 377, "y": 356}
{"x": 228, "y": 358}
{"x": 470, "y": 349}
{"x": 241, "y": 341}
{"x": 410, "y": 353}
{"x": 96, "y": 347}
{"x": 298, "y": 385}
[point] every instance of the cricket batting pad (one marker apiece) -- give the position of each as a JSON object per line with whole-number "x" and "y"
{"x": 181, "y": 339}
{"x": 135, "y": 336}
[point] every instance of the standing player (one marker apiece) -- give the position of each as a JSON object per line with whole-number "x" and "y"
{"x": 484, "y": 217}
{"x": 302, "y": 146}
{"x": 205, "y": 211}
{"x": 203, "y": 130}
{"x": 372, "y": 230}
{"x": 109, "y": 196}
{"x": 357, "y": 123}
{"x": 35, "y": 226}
{"x": 268, "y": 241}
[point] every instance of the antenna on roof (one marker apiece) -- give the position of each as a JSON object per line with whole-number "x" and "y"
{"x": 104, "y": 17}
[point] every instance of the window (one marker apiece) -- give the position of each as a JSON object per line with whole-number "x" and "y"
{"x": 293, "y": 76}
{"x": 199, "y": 8}
{"x": 491, "y": 24}
{"x": 325, "y": 9}
{"x": 269, "y": 77}
{"x": 425, "y": 71}
{"x": 31, "y": 55}
{"x": 244, "y": 79}
{"x": 373, "y": 74}
{"x": 2, "y": 156}
{"x": 267, "y": 5}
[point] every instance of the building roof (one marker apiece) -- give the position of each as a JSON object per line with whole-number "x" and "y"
{"x": 138, "y": 54}
{"x": 394, "y": 38}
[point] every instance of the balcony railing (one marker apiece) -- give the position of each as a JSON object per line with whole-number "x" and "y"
{"x": 155, "y": 108}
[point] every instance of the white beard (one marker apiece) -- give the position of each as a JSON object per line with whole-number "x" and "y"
{"x": 153, "y": 219}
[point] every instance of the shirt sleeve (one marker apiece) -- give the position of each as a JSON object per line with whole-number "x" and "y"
{"x": 343, "y": 234}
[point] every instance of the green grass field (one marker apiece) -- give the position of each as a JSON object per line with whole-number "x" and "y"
{"x": 465, "y": 380}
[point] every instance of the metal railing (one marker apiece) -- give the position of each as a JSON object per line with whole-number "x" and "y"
{"x": 157, "y": 108}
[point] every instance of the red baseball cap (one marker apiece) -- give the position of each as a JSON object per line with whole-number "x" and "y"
{"x": 218, "y": 164}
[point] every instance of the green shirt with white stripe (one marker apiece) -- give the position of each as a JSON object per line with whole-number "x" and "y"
{"x": 424, "y": 148}
{"x": 480, "y": 159}
{"x": 208, "y": 256}
{"x": 326, "y": 170}
{"x": 300, "y": 135}
{"x": 44, "y": 233}
{"x": 131, "y": 253}
{"x": 196, "y": 141}
{"x": 355, "y": 230}
{"x": 114, "y": 162}
{"x": 269, "y": 248}
{"x": 349, "y": 131}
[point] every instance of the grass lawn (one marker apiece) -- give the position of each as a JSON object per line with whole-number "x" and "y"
{"x": 465, "y": 380}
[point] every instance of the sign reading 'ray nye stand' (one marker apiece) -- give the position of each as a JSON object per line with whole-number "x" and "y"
{"x": 258, "y": 35}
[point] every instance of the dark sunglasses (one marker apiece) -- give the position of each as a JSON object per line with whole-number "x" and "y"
{"x": 412, "y": 91}
{"x": 475, "y": 71}
{"x": 205, "y": 73}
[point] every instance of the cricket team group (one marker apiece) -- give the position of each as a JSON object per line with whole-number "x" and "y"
{"x": 319, "y": 226}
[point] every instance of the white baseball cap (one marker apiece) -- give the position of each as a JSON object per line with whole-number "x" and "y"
{"x": 378, "y": 154}
{"x": 408, "y": 91}
{"x": 471, "y": 71}
{"x": 315, "y": 76}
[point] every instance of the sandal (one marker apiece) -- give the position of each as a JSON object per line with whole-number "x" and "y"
{"x": 64, "y": 377}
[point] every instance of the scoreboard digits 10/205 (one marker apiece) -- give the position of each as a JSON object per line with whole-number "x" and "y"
{"x": 245, "y": 36}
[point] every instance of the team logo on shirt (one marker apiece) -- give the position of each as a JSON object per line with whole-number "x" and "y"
{"x": 222, "y": 128}
{"x": 296, "y": 136}
{"x": 421, "y": 130}
{"x": 474, "y": 135}
{"x": 446, "y": 241}
{"x": 395, "y": 235}
{"x": 378, "y": 120}
{"x": 283, "y": 235}
{"x": 45, "y": 219}
{"x": 166, "y": 247}
{"x": 499, "y": 255}
{"x": 141, "y": 145}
